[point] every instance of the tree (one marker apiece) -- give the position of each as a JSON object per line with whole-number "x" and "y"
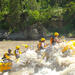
{"x": 14, "y": 13}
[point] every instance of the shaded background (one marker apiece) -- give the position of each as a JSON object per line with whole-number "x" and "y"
{"x": 32, "y": 19}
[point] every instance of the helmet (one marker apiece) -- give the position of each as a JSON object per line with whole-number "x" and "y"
{"x": 42, "y": 39}
{"x": 56, "y": 34}
{"x": 26, "y": 46}
{"x": 17, "y": 47}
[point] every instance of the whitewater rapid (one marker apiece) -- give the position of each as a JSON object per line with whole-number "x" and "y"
{"x": 31, "y": 63}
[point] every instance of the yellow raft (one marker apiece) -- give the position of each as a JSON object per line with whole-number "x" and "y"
{"x": 5, "y": 66}
{"x": 69, "y": 45}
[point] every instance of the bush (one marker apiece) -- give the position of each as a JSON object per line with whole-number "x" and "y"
{"x": 4, "y": 25}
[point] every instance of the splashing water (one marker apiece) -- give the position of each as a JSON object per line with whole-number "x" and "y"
{"x": 31, "y": 63}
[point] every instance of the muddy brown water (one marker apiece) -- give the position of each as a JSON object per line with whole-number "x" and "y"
{"x": 5, "y": 45}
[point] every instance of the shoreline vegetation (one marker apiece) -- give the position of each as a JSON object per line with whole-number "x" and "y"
{"x": 32, "y": 19}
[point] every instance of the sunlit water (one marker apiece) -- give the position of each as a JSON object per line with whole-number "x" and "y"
{"x": 31, "y": 63}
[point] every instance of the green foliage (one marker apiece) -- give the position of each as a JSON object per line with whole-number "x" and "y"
{"x": 1, "y": 16}
{"x": 71, "y": 7}
{"x": 4, "y": 8}
{"x": 4, "y": 25}
{"x": 23, "y": 13}
{"x": 35, "y": 14}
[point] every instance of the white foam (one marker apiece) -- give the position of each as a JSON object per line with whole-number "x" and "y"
{"x": 56, "y": 64}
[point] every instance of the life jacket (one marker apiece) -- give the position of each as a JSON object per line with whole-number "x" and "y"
{"x": 6, "y": 56}
{"x": 52, "y": 40}
{"x": 65, "y": 49}
{"x": 41, "y": 45}
{"x": 17, "y": 52}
